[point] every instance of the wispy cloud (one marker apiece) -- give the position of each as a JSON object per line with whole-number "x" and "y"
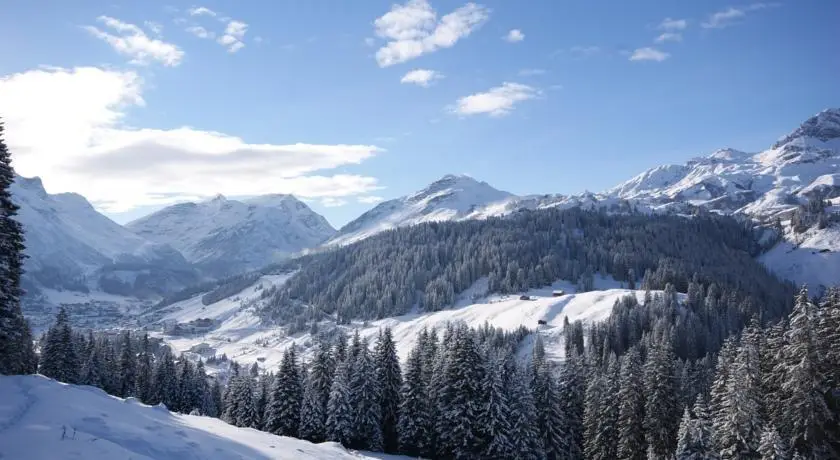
{"x": 579, "y": 51}
{"x": 413, "y": 29}
{"x": 421, "y": 77}
{"x": 370, "y": 199}
{"x": 531, "y": 72}
{"x": 201, "y": 32}
{"x": 733, "y": 15}
{"x": 673, "y": 24}
{"x": 668, "y": 37}
{"x": 332, "y": 202}
{"x": 233, "y": 36}
{"x": 514, "y": 36}
{"x": 130, "y": 40}
{"x": 496, "y": 102}
{"x": 201, "y": 11}
{"x": 649, "y": 54}
{"x": 90, "y": 151}
{"x": 155, "y": 27}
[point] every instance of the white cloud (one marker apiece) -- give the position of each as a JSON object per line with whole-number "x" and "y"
{"x": 89, "y": 150}
{"x": 413, "y": 29}
{"x": 331, "y": 202}
{"x": 370, "y": 41}
{"x": 200, "y": 32}
{"x": 673, "y": 24}
{"x": 201, "y": 11}
{"x": 732, "y": 15}
{"x": 155, "y": 27}
{"x": 668, "y": 37}
{"x": 233, "y": 36}
{"x": 531, "y": 72}
{"x": 497, "y": 101}
{"x": 649, "y": 54}
{"x": 583, "y": 51}
{"x": 421, "y": 77}
{"x": 369, "y": 199}
{"x": 133, "y": 42}
{"x": 515, "y": 35}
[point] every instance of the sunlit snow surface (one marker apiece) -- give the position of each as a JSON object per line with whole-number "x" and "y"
{"x": 241, "y": 336}
{"x": 41, "y": 419}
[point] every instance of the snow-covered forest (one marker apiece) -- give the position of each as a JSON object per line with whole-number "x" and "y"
{"x": 769, "y": 392}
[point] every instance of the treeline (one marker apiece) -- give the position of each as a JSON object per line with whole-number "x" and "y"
{"x": 427, "y": 265}
{"x": 128, "y": 365}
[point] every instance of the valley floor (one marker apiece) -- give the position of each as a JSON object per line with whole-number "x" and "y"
{"x": 44, "y": 419}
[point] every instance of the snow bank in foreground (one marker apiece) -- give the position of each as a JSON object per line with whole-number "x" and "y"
{"x": 34, "y": 412}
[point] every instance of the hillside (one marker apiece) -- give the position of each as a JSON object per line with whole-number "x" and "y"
{"x": 46, "y": 420}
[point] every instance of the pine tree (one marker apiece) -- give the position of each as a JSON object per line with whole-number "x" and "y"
{"x": 694, "y": 439}
{"x": 321, "y": 373}
{"x": 458, "y": 433}
{"x": 661, "y": 407}
{"x": 246, "y": 407}
{"x": 143, "y": 380}
{"x": 741, "y": 406}
{"x": 17, "y": 355}
{"x": 415, "y": 424}
{"x": 204, "y": 398}
{"x": 631, "y": 410}
{"x": 58, "y": 357}
{"x": 366, "y": 400}
{"x": 283, "y": 410}
{"x": 128, "y": 368}
{"x": 186, "y": 399}
{"x": 216, "y": 406}
{"x": 340, "y": 415}
{"x": 389, "y": 382}
{"x": 772, "y": 446}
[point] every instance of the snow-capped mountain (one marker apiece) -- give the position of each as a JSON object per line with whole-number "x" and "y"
{"x": 762, "y": 185}
{"x": 72, "y": 246}
{"x": 224, "y": 236}
{"x": 453, "y": 197}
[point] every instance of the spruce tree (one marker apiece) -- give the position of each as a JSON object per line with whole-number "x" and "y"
{"x": 58, "y": 356}
{"x": 365, "y": 399}
{"x": 143, "y": 381}
{"x": 165, "y": 388}
{"x": 772, "y": 446}
{"x": 17, "y": 355}
{"x": 128, "y": 368}
{"x": 91, "y": 373}
{"x": 572, "y": 390}
{"x": 312, "y": 412}
{"x": 340, "y": 415}
{"x": 525, "y": 437}
{"x": 283, "y": 410}
{"x": 389, "y": 382}
{"x": 495, "y": 425}
{"x": 458, "y": 433}
{"x": 661, "y": 407}
{"x": 631, "y": 410}
{"x": 415, "y": 424}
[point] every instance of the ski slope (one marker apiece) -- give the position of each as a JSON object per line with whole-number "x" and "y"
{"x": 241, "y": 336}
{"x": 44, "y": 419}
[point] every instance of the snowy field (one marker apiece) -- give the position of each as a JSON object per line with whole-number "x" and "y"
{"x": 812, "y": 258}
{"x": 43, "y": 419}
{"x": 241, "y": 337}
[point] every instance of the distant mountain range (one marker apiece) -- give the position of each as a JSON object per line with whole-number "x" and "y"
{"x": 71, "y": 246}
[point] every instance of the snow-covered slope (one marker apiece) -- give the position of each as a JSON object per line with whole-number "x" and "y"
{"x": 452, "y": 197}
{"x": 72, "y": 246}
{"x": 41, "y": 419}
{"x": 241, "y": 336}
{"x": 225, "y": 236}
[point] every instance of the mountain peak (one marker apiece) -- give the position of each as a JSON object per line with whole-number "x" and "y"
{"x": 823, "y": 126}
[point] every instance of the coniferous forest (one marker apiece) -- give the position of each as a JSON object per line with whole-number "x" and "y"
{"x": 627, "y": 389}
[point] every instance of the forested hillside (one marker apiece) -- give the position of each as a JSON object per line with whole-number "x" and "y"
{"x": 427, "y": 265}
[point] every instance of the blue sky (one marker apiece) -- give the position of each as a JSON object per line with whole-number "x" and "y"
{"x": 140, "y": 104}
